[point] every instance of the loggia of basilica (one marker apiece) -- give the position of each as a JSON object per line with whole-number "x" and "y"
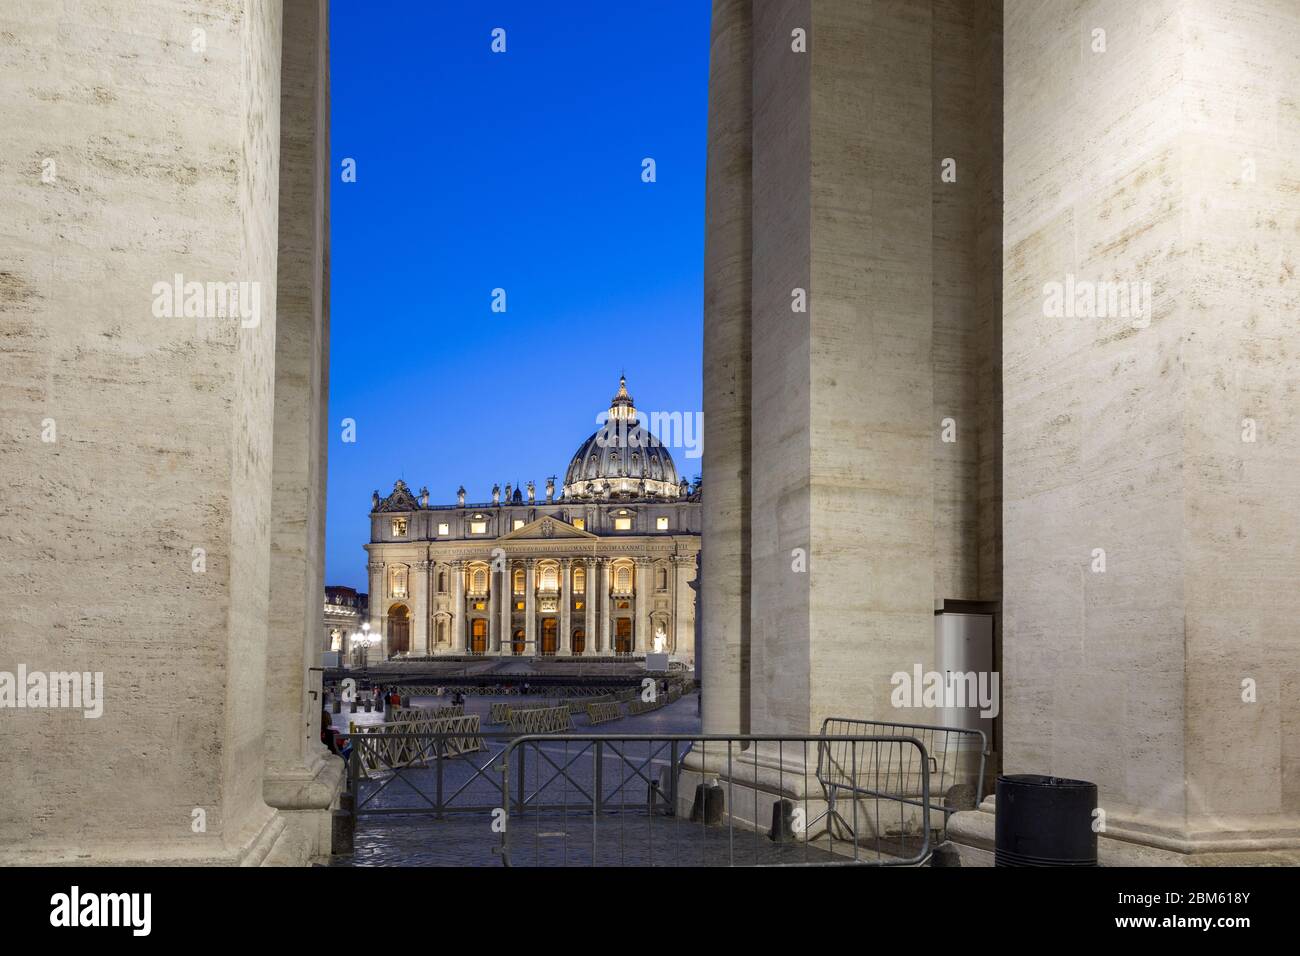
{"x": 606, "y": 567}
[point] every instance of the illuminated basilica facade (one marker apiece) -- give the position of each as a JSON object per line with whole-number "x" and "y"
{"x": 606, "y": 567}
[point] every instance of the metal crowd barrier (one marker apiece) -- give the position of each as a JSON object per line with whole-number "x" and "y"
{"x": 538, "y": 720}
{"x": 398, "y": 714}
{"x": 955, "y": 758}
{"x": 448, "y": 778}
{"x": 412, "y": 743}
{"x": 618, "y": 800}
{"x": 603, "y": 711}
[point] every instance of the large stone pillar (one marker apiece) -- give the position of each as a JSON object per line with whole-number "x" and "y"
{"x": 590, "y": 589}
{"x": 1152, "y": 454}
{"x": 108, "y": 400}
{"x": 496, "y": 602}
{"x": 458, "y": 633}
{"x": 604, "y": 571}
{"x": 530, "y": 606}
{"x": 566, "y": 606}
{"x": 724, "y": 600}
{"x": 507, "y": 606}
{"x": 841, "y": 501}
{"x": 641, "y": 605}
{"x": 420, "y": 600}
{"x": 302, "y": 777}
{"x": 376, "y": 595}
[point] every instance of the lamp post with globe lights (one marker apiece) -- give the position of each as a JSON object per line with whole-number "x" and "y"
{"x": 365, "y": 640}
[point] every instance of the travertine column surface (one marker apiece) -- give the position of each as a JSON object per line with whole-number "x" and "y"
{"x": 160, "y": 159}
{"x": 1167, "y": 445}
{"x": 724, "y": 597}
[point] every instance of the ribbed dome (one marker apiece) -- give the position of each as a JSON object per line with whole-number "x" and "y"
{"x": 621, "y": 454}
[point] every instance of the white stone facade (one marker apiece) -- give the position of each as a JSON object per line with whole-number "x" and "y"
{"x": 605, "y": 568}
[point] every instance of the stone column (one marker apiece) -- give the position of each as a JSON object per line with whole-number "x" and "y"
{"x": 496, "y": 601}
{"x": 641, "y": 605}
{"x": 301, "y": 776}
{"x": 420, "y": 612}
{"x": 566, "y": 606}
{"x": 507, "y": 609}
{"x": 378, "y": 582}
{"x": 530, "y": 606}
{"x": 592, "y": 567}
{"x": 605, "y": 608}
{"x": 92, "y": 375}
{"x": 724, "y": 672}
{"x": 458, "y": 633}
{"x": 1152, "y": 454}
{"x": 841, "y": 502}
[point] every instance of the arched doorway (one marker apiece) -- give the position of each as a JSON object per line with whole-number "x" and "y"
{"x": 623, "y": 635}
{"x": 517, "y": 644}
{"x": 399, "y": 630}
{"x": 550, "y": 636}
{"x": 579, "y": 641}
{"x": 478, "y": 636}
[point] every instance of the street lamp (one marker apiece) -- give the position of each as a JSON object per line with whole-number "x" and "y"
{"x": 365, "y": 640}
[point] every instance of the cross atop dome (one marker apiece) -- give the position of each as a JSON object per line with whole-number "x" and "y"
{"x": 620, "y": 406}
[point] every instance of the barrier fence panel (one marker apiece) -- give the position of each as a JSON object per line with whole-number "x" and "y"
{"x": 955, "y": 757}
{"x": 403, "y": 771}
{"x": 548, "y": 720}
{"x": 714, "y": 800}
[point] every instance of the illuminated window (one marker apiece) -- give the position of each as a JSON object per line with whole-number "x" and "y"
{"x": 517, "y": 524}
{"x": 579, "y": 580}
{"x": 399, "y": 527}
{"x": 623, "y": 579}
{"x": 519, "y": 605}
{"x": 550, "y": 578}
{"x": 578, "y": 605}
{"x": 661, "y": 524}
{"x": 478, "y": 527}
{"x": 622, "y": 524}
{"x": 444, "y": 528}
{"x": 580, "y": 524}
{"x": 519, "y": 582}
{"x": 478, "y": 580}
{"x": 397, "y": 581}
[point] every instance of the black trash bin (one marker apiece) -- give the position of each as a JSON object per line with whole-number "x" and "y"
{"x": 1044, "y": 821}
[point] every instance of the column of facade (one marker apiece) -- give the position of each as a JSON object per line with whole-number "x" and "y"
{"x": 530, "y": 606}
{"x": 458, "y": 634}
{"x": 605, "y": 572}
{"x": 589, "y": 604}
{"x": 566, "y": 606}
{"x": 674, "y": 588}
{"x": 495, "y": 603}
{"x": 507, "y": 604}
{"x": 378, "y": 583}
{"x": 641, "y": 604}
{"x": 420, "y": 602}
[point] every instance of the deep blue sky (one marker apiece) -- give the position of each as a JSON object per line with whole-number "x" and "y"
{"x": 522, "y": 171}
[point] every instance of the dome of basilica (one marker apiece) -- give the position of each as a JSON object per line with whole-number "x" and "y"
{"x": 622, "y": 459}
